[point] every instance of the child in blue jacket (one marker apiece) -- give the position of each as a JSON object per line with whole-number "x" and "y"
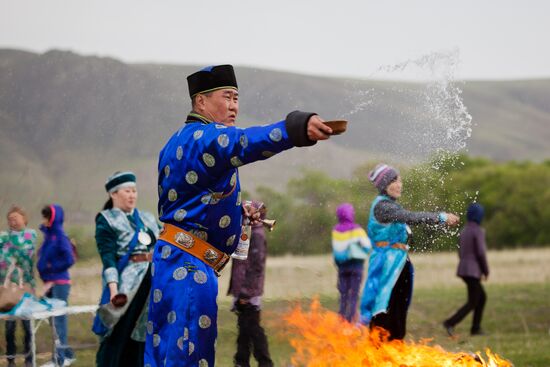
{"x": 55, "y": 257}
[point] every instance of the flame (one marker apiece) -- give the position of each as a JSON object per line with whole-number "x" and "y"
{"x": 322, "y": 338}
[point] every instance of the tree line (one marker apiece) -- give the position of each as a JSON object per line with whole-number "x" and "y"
{"x": 516, "y": 197}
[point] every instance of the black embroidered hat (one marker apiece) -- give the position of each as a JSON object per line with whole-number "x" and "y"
{"x": 118, "y": 180}
{"x": 211, "y": 78}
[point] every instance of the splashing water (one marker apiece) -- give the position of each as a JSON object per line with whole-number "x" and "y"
{"x": 448, "y": 126}
{"x": 430, "y": 114}
{"x": 365, "y": 100}
{"x": 428, "y": 121}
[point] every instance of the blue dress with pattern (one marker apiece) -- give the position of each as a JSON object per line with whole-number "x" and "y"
{"x": 385, "y": 264}
{"x": 199, "y": 191}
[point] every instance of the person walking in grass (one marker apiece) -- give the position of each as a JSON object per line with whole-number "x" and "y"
{"x": 472, "y": 268}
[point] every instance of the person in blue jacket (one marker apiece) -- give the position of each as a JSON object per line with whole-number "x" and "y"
{"x": 200, "y": 204}
{"x": 388, "y": 289}
{"x": 55, "y": 257}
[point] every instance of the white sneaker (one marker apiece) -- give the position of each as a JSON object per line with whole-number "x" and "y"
{"x": 68, "y": 361}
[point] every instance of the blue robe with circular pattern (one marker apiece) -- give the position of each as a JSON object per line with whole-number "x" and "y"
{"x": 199, "y": 191}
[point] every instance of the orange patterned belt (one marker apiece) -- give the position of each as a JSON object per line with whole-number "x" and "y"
{"x": 400, "y": 246}
{"x": 193, "y": 245}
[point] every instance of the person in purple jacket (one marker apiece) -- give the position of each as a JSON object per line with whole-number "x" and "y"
{"x": 55, "y": 257}
{"x": 472, "y": 268}
{"x": 247, "y": 286}
{"x": 350, "y": 248}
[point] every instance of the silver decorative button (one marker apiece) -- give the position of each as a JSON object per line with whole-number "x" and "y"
{"x": 184, "y": 239}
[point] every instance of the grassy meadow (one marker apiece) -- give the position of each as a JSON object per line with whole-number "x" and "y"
{"x": 516, "y": 318}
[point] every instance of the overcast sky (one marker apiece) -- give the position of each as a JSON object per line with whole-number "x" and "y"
{"x": 495, "y": 39}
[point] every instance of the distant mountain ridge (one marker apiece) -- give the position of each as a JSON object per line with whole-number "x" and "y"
{"x": 67, "y": 121}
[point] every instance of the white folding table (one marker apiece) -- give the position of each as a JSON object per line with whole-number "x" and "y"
{"x": 37, "y": 318}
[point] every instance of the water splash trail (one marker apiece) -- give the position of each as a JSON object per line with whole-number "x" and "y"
{"x": 432, "y": 120}
{"x": 437, "y": 119}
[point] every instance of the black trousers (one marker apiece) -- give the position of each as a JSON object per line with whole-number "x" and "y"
{"x": 395, "y": 320}
{"x": 118, "y": 349}
{"x": 476, "y": 302}
{"x": 251, "y": 334}
{"x": 11, "y": 349}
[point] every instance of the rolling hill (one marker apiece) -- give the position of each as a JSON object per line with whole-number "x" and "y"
{"x": 67, "y": 121}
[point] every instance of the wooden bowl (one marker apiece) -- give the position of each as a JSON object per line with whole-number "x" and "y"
{"x": 119, "y": 300}
{"x": 337, "y": 126}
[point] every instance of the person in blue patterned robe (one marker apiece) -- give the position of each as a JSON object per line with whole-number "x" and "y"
{"x": 199, "y": 192}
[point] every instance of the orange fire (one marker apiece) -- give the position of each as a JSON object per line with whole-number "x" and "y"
{"x": 321, "y": 338}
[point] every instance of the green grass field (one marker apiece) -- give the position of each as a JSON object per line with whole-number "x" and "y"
{"x": 516, "y": 319}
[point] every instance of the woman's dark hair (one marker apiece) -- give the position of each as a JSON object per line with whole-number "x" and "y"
{"x": 108, "y": 204}
{"x": 47, "y": 212}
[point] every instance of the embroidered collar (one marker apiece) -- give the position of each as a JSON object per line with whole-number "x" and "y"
{"x": 195, "y": 117}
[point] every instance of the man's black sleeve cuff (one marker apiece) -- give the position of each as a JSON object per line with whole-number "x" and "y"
{"x": 296, "y": 127}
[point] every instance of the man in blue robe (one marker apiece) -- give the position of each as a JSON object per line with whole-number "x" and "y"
{"x": 201, "y": 206}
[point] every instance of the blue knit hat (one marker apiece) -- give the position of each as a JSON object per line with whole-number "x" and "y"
{"x": 475, "y": 213}
{"x": 120, "y": 179}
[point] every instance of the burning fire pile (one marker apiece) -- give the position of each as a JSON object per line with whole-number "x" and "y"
{"x": 321, "y": 338}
